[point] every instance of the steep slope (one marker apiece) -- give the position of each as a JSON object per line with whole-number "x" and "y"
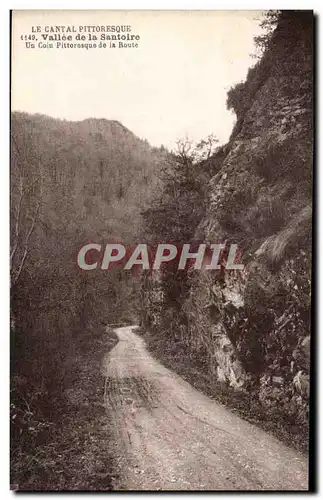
{"x": 71, "y": 183}
{"x": 107, "y": 170}
{"x": 249, "y": 330}
{"x": 261, "y": 200}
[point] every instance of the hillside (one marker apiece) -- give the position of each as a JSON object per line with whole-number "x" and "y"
{"x": 244, "y": 336}
{"x": 71, "y": 183}
{"x": 108, "y": 171}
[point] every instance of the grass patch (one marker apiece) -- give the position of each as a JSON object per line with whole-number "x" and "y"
{"x": 70, "y": 453}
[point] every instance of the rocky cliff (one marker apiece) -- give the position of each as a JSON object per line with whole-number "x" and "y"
{"x": 252, "y": 327}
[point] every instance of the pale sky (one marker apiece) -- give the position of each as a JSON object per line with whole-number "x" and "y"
{"x": 173, "y": 85}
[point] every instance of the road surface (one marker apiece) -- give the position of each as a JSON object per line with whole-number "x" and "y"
{"x": 169, "y": 436}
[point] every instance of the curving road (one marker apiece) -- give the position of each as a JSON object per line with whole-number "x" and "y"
{"x": 169, "y": 436}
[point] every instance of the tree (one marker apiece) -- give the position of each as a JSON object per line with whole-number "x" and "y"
{"x": 174, "y": 218}
{"x": 175, "y": 214}
{"x": 268, "y": 24}
{"x": 25, "y": 205}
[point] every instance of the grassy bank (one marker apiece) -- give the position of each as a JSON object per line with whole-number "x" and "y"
{"x": 69, "y": 449}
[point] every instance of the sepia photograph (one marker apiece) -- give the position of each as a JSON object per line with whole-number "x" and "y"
{"x": 161, "y": 199}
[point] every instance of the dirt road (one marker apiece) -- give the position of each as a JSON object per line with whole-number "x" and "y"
{"x": 169, "y": 436}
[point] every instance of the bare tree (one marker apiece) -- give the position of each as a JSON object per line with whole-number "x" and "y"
{"x": 206, "y": 147}
{"x": 25, "y": 205}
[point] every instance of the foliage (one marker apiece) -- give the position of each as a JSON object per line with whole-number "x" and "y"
{"x": 65, "y": 451}
{"x": 175, "y": 214}
{"x": 71, "y": 183}
{"x": 174, "y": 217}
{"x": 268, "y": 24}
{"x": 249, "y": 329}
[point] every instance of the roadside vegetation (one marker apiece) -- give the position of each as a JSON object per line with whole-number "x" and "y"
{"x": 71, "y": 183}
{"x": 66, "y": 448}
{"x": 244, "y": 337}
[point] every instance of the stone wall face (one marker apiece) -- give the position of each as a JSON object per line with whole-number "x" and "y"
{"x": 261, "y": 200}
{"x": 252, "y": 327}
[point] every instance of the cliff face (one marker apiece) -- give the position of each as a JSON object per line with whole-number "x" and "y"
{"x": 249, "y": 330}
{"x": 258, "y": 320}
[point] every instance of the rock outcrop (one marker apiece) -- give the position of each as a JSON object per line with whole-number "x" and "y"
{"x": 250, "y": 329}
{"x": 258, "y": 320}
